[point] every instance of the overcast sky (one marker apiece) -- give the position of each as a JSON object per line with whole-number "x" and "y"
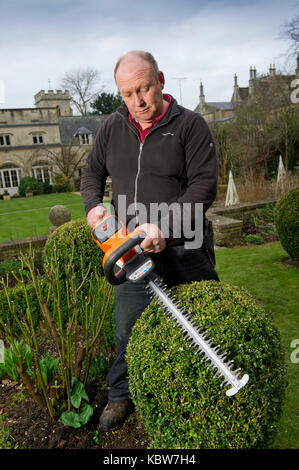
{"x": 195, "y": 40}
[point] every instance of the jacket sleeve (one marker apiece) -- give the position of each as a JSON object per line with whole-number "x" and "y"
{"x": 201, "y": 176}
{"x": 94, "y": 174}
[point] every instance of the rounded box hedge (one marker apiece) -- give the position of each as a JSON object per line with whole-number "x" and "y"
{"x": 286, "y": 218}
{"x": 180, "y": 402}
{"x": 72, "y": 242}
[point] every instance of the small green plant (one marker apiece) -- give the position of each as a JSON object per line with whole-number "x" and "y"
{"x": 78, "y": 418}
{"x": 12, "y": 357}
{"x": 98, "y": 366}
{"x": 252, "y": 238}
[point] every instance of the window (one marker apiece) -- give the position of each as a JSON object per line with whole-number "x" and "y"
{"x": 42, "y": 173}
{"x": 10, "y": 178}
{"x": 4, "y": 140}
{"x": 37, "y": 139}
{"x": 85, "y": 139}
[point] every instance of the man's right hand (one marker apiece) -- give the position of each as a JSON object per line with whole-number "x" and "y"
{"x": 95, "y": 215}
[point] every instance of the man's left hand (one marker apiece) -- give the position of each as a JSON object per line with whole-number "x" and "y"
{"x": 154, "y": 241}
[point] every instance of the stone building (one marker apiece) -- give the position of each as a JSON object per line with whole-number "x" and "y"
{"x": 32, "y": 139}
{"x": 225, "y": 110}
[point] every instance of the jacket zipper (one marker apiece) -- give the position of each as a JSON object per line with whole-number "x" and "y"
{"x": 139, "y": 158}
{"x": 136, "y": 181}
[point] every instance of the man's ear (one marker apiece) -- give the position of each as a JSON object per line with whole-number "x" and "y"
{"x": 161, "y": 80}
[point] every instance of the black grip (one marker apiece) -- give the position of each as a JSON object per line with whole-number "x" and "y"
{"x": 117, "y": 254}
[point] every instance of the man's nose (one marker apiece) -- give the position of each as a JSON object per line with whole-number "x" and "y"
{"x": 139, "y": 101}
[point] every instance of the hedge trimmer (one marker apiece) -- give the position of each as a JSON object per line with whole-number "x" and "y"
{"x": 122, "y": 250}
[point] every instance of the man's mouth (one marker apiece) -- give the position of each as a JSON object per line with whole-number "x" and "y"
{"x": 142, "y": 111}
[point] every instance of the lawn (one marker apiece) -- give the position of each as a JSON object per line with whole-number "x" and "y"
{"x": 275, "y": 284}
{"x": 29, "y": 217}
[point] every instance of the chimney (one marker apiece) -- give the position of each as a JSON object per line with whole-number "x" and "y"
{"x": 236, "y": 95}
{"x": 252, "y": 78}
{"x": 201, "y": 96}
{"x": 272, "y": 70}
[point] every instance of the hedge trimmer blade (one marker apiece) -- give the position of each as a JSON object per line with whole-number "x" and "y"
{"x": 199, "y": 339}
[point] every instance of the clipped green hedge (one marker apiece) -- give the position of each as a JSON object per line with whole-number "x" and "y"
{"x": 74, "y": 235}
{"x": 286, "y": 219}
{"x": 181, "y": 402}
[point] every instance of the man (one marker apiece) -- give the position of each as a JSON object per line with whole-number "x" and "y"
{"x": 155, "y": 152}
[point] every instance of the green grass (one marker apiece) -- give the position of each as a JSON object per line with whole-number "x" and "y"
{"x": 275, "y": 284}
{"x": 29, "y": 217}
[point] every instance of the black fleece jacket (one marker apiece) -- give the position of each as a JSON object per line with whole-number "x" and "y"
{"x": 177, "y": 162}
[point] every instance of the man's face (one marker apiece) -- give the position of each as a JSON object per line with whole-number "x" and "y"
{"x": 141, "y": 90}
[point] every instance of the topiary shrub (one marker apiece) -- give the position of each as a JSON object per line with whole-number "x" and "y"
{"x": 179, "y": 400}
{"x": 73, "y": 240}
{"x": 286, "y": 219}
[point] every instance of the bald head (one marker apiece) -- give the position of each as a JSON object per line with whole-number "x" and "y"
{"x": 136, "y": 58}
{"x": 140, "y": 84}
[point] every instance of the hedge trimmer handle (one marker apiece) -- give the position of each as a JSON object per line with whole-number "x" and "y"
{"x": 111, "y": 259}
{"x": 121, "y": 248}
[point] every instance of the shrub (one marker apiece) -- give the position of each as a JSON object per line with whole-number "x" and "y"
{"x": 75, "y": 235}
{"x": 73, "y": 240}
{"x": 30, "y": 182}
{"x": 179, "y": 399}
{"x": 47, "y": 188}
{"x": 18, "y": 297}
{"x": 286, "y": 218}
{"x": 62, "y": 183}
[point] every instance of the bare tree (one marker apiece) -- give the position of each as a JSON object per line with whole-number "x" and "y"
{"x": 291, "y": 33}
{"x": 67, "y": 159}
{"x": 83, "y": 86}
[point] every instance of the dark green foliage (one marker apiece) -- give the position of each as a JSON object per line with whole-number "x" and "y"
{"x": 74, "y": 235}
{"x": 286, "y": 218}
{"x": 47, "y": 188}
{"x": 30, "y": 182}
{"x": 106, "y": 103}
{"x": 18, "y": 298}
{"x": 180, "y": 402}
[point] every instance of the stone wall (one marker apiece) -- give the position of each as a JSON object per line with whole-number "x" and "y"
{"x": 12, "y": 249}
{"x": 228, "y": 221}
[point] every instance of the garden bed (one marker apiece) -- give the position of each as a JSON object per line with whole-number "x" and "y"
{"x": 26, "y": 426}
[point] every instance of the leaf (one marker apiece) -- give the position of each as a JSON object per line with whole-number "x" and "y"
{"x": 77, "y": 393}
{"x": 87, "y": 412}
{"x": 71, "y": 418}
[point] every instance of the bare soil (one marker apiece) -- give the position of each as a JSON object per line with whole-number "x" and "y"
{"x": 31, "y": 428}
